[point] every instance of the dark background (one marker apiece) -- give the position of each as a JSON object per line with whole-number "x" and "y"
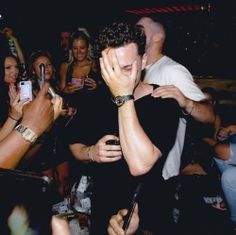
{"x": 204, "y": 41}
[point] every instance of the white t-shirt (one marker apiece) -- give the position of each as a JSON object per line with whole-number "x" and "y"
{"x": 168, "y": 72}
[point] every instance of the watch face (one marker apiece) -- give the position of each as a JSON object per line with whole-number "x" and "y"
{"x": 119, "y": 100}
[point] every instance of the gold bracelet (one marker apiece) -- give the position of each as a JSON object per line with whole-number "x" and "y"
{"x": 89, "y": 154}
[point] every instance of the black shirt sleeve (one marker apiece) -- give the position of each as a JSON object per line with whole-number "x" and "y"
{"x": 159, "y": 119}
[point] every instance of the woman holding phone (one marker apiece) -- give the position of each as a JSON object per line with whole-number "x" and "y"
{"x": 11, "y": 106}
{"x": 45, "y": 156}
{"x": 79, "y": 78}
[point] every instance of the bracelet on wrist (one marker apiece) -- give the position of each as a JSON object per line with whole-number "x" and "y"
{"x": 188, "y": 113}
{"x": 13, "y": 118}
{"x": 90, "y": 156}
{"x": 27, "y": 134}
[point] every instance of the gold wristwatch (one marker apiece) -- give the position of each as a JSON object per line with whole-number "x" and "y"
{"x": 26, "y": 133}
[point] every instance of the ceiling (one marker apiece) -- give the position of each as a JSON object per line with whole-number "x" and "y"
{"x": 192, "y": 35}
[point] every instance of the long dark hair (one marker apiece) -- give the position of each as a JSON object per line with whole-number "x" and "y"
{"x": 4, "y": 97}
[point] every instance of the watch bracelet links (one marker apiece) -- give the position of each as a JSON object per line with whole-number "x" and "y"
{"x": 28, "y": 134}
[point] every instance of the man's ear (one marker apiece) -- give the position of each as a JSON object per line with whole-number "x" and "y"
{"x": 157, "y": 37}
{"x": 144, "y": 61}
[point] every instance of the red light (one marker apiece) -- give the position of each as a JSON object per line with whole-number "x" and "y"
{"x": 168, "y": 9}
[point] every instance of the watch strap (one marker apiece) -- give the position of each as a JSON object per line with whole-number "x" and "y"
{"x": 120, "y": 100}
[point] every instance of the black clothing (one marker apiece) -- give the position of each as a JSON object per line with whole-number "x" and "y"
{"x": 113, "y": 183}
{"x": 78, "y": 97}
{"x": 4, "y": 102}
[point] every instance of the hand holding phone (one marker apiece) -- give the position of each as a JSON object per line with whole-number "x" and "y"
{"x": 42, "y": 75}
{"x": 113, "y": 141}
{"x": 78, "y": 81}
{"x": 25, "y": 90}
{"x": 131, "y": 208}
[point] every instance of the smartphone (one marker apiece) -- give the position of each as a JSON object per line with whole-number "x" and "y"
{"x": 132, "y": 207}
{"x": 113, "y": 142}
{"x": 25, "y": 90}
{"x": 42, "y": 75}
{"x": 52, "y": 92}
{"x": 78, "y": 81}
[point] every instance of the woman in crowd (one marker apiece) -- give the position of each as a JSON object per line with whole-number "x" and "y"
{"x": 11, "y": 106}
{"x": 78, "y": 79}
{"x": 47, "y": 157}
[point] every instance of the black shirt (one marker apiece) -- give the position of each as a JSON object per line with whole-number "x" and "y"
{"x": 113, "y": 183}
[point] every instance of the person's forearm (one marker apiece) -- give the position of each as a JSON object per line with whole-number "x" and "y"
{"x": 138, "y": 150}
{"x": 81, "y": 152}
{"x": 7, "y": 128}
{"x": 201, "y": 111}
{"x": 232, "y": 129}
{"x": 12, "y": 149}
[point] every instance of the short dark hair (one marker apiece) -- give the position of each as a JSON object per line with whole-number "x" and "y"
{"x": 119, "y": 34}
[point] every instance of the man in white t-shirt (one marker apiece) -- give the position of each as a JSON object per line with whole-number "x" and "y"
{"x": 175, "y": 82}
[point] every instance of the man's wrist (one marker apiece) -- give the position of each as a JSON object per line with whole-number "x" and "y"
{"x": 120, "y": 100}
{"x": 188, "y": 110}
{"x": 89, "y": 153}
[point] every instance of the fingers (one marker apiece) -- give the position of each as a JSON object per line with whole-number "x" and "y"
{"x": 57, "y": 102}
{"x": 105, "y": 138}
{"x": 16, "y": 99}
{"x": 44, "y": 91}
{"x": 134, "y": 70}
{"x": 24, "y": 102}
{"x": 164, "y": 91}
{"x": 107, "y": 153}
{"x": 12, "y": 90}
{"x": 103, "y": 155}
{"x": 12, "y": 93}
{"x": 116, "y": 222}
{"x": 103, "y": 70}
{"x": 109, "y": 159}
{"x": 123, "y": 212}
{"x": 115, "y": 64}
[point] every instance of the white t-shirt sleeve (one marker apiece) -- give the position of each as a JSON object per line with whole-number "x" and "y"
{"x": 180, "y": 77}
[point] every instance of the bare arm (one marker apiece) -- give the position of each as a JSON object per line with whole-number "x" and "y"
{"x": 100, "y": 152}
{"x": 200, "y": 110}
{"x": 15, "y": 113}
{"x": 80, "y": 151}
{"x": 12, "y": 148}
{"x": 19, "y": 51}
{"x": 38, "y": 116}
{"x": 7, "y": 128}
{"x": 138, "y": 150}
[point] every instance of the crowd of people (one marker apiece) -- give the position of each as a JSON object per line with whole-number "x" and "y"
{"x": 124, "y": 114}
